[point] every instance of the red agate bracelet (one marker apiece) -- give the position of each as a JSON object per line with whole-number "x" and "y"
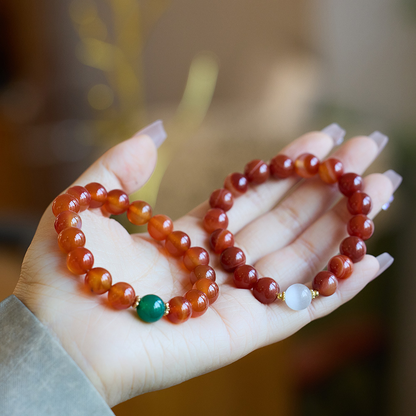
{"x": 352, "y": 249}
{"x": 121, "y": 295}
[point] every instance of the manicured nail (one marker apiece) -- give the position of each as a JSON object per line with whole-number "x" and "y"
{"x": 386, "y": 206}
{"x": 336, "y": 132}
{"x": 394, "y": 177}
{"x": 155, "y": 131}
{"x": 384, "y": 262}
{"x": 380, "y": 139}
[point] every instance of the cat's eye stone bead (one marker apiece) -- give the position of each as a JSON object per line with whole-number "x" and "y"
{"x": 298, "y": 297}
{"x": 151, "y": 308}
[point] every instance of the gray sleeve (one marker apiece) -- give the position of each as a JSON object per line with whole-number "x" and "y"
{"x": 37, "y": 376}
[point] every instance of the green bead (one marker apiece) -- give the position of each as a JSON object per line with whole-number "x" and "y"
{"x": 151, "y": 308}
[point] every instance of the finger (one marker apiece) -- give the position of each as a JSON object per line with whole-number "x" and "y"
{"x": 309, "y": 201}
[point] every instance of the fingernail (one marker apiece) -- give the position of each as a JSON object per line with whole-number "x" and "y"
{"x": 336, "y": 132}
{"x": 155, "y": 131}
{"x": 386, "y": 206}
{"x": 394, "y": 177}
{"x": 380, "y": 139}
{"x": 384, "y": 262}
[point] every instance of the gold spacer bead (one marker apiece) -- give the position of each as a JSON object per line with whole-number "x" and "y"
{"x": 167, "y": 310}
{"x": 136, "y": 302}
{"x": 314, "y": 293}
{"x": 281, "y": 296}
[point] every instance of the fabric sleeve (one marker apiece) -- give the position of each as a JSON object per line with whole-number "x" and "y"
{"x": 37, "y": 376}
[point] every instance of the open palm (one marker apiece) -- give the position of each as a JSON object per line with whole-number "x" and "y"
{"x": 286, "y": 235}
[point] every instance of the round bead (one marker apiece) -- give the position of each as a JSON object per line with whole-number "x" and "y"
{"x": 220, "y": 240}
{"x": 236, "y": 183}
{"x": 360, "y": 226}
{"x": 198, "y": 300}
{"x": 177, "y": 243}
{"x": 194, "y": 257}
{"x": 359, "y": 203}
{"x": 202, "y": 272}
{"x": 231, "y": 258}
{"x": 71, "y": 238}
{"x": 306, "y": 165}
{"x": 245, "y": 277}
{"x": 331, "y": 170}
{"x": 139, "y": 213}
{"x": 121, "y": 295}
{"x": 117, "y": 202}
{"x": 265, "y": 290}
{"x": 208, "y": 287}
{"x": 214, "y": 219}
{"x": 98, "y": 280}
{"x": 257, "y": 171}
{"x": 221, "y": 198}
{"x": 341, "y": 266}
{"x": 282, "y": 167}
{"x": 82, "y": 195}
{"x": 354, "y": 248}
{"x": 159, "y": 227}
{"x": 298, "y": 297}
{"x": 151, "y": 308}
{"x": 325, "y": 283}
{"x": 65, "y": 202}
{"x": 98, "y": 194}
{"x": 80, "y": 260}
{"x": 67, "y": 219}
{"x": 350, "y": 183}
{"x": 180, "y": 310}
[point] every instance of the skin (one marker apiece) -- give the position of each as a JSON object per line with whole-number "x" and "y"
{"x": 290, "y": 241}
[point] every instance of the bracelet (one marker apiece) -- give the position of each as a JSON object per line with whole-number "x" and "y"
{"x": 121, "y": 295}
{"x": 352, "y": 249}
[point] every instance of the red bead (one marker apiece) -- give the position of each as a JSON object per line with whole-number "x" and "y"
{"x": 359, "y": 203}
{"x": 354, "y": 248}
{"x": 360, "y": 226}
{"x": 325, "y": 283}
{"x": 214, "y": 219}
{"x": 195, "y": 256}
{"x": 331, "y": 170}
{"x": 121, "y": 296}
{"x": 341, "y": 266}
{"x": 231, "y": 258}
{"x": 219, "y": 240}
{"x": 202, "y": 271}
{"x": 139, "y": 212}
{"x": 79, "y": 260}
{"x": 180, "y": 310}
{"x": 177, "y": 243}
{"x": 245, "y": 277}
{"x": 67, "y": 219}
{"x": 221, "y": 198}
{"x": 236, "y": 183}
{"x": 98, "y": 194}
{"x": 98, "y": 280}
{"x": 198, "y": 300}
{"x": 306, "y": 165}
{"x": 282, "y": 167}
{"x": 265, "y": 290}
{"x": 82, "y": 195}
{"x": 65, "y": 202}
{"x": 117, "y": 202}
{"x": 209, "y": 287}
{"x": 256, "y": 171}
{"x": 159, "y": 227}
{"x": 71, "y": 238}
{"x": 350, "y": 183}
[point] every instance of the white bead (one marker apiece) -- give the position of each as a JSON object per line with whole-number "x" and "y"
{"x": 298, "y": 297}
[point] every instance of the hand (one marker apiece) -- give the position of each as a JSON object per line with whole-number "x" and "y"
{"x": 291, "y": 242}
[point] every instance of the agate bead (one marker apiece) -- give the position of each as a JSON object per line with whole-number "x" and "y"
{"x": 177, "y": 243}
{"x": 245, "y": 276}
{"x": 354, "y": 248}
{"x": 98, "y": 280}
{"x": 65, "y": 202}
{"x": 325, "y": 283}
{"x": 360, "y": 226}
{"x": 359, "y": 203}
{"x": 350, "y": 183}
{"x": 159, "y": 227}
{"x": 221, "y": 198}
{"x": 214, "y": 219}
{"x": 80, "y": 260}
{"x": 220, "y": 240}
{"x": 67, "y": 219}
{"x": 98, "y": 194}
{"x": 209, "y": 287}
{"x": 341, "y": 266}
{"x": 202, "y": 271}
{"x": 265, "y": 290}
{"x": 306, "y": 165}
{"x": 194, "y": 257}
{"x": 117, "y": 202}
{"x": 236, "y": 183}
{"x": 71, "y": 238}
{"x": 180, "y": 310}
{"x": 121, "y": 295}
{"x": 231, "y": 258}
{"x": 82, "y": 195}
{"x": 151, "y": 308}
{"x": 257, "y": 171}
{"x": 298, "y": 297}
{"x": 282, "y": 167}
{"x": 198, "y": 300}
{"x": 331, "y": 170}
{"x": 139, "y": 212}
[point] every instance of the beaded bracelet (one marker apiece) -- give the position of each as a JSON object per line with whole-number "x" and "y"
{"x": 121, "y": 295}
{"x": 352, "y": 249}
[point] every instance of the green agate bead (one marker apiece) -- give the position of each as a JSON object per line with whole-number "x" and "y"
{"x": 151, "y": 308}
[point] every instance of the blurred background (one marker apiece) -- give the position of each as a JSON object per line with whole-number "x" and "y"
{"x": 232, "y": 80}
